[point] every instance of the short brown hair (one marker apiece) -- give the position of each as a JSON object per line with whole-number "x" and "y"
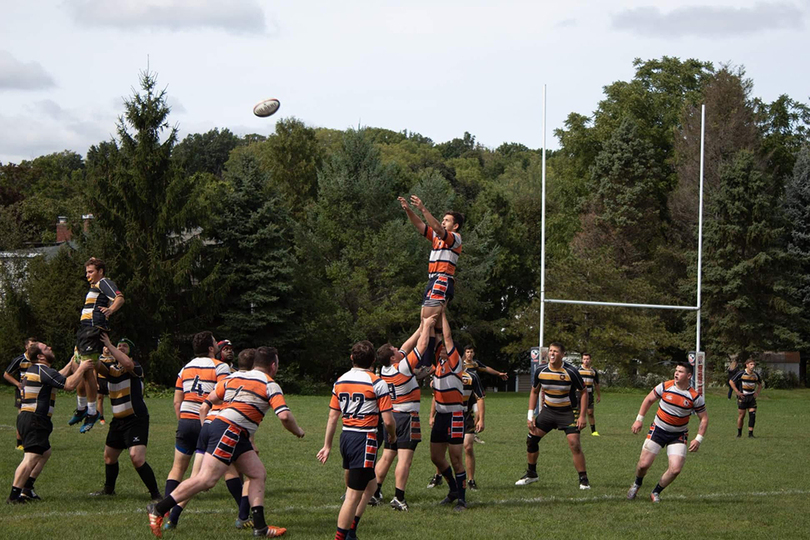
{"x": 385, "y": 354}
{"x": 265, "y": 357}
{"x": 363, "y": 354}
{"x": 246, "y": 359}
{"x": 558, "y": 345}
{"x": 28, "y": 341}
{"x": 458, "y": 218}
{"x": 202, "y": 341}
{"x": 32, "y": 350}
{"x": 98, "y": 263}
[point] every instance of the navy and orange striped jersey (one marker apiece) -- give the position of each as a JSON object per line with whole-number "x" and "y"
{"x": 402, "y": 384}
{"x": 126, "y": 390}
{"x": 40, "y": 384}
{"x": 589, "y": 376}
{"x": 675, "y": 406}
{"x": 448, "y": 389}
{"x": 747, "y": 382}
{"x": 196, "y": 380}
{"x": 18, "y": 366}
{"x": 360, "y": 396}
{"x": 101, "y": 294}
{"x": 247, "y": 396}
{"x": 473, "y": 390}
{"x": 444, "y": 254}
{"x": 559, "y": 386}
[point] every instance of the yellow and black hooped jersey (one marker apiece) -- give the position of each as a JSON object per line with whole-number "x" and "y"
{"x": 101, "y": 294}
{"x": 589, "y": 377}
{"x": 558, "y": 385}
{"x": 126, "y": 390}
{"x": 472, "y": 389}
{"x": 747, "y": 382}
{"x": 18, "y": 366}
{"x": 40, "y": 384}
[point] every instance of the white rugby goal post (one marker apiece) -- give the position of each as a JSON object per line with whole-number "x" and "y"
{"x": 697, "y": 358}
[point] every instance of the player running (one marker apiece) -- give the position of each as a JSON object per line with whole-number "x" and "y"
{"x": 747, "y": 384}
{"x": 591, "y": 379}
{"x": 246, "y": 398}
{"x": 361, "y": 399}
{"x": 677, "y": 400}
{"x": 558, "y": 381}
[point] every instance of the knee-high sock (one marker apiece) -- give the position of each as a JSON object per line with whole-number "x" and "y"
{"x": 148, "y": 477}
{"x": 111, "y": 475}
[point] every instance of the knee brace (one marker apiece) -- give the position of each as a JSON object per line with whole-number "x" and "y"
{"x": 752, "y": 418}
{"x": 532, "y": 445}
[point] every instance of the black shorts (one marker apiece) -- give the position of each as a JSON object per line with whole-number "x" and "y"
{"x": 439, "y": 291}
{"x": 17, "y": 398}
{"x": 747, "y": 402}
{"x": 359, "y": 449}
{"x": 448, "y": 428}
{"x": 409, "y": 431}
{"x": 103, "y": 386}
{"x": 591, "y": 401}
{"x": 469, "y": 423}
{"x": 549, "y": 420}
{"x": 88, "y": 341}
{"x": 35, "y": 431}
{"x": 663, "y": 437}
{"x": 202, "y": 439}
{"x": 227, "y": 442}
{"x": 128, "y": 432}
{"x": 186, "y": 436}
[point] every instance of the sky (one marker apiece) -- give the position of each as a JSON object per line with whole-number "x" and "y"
{"x": 436, "y": 67}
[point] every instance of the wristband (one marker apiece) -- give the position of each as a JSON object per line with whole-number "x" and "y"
{"x": 208, "y": 403}
{"x": 699, "y": 438}
{"x": 530, "y": 416}
{"x": 640, "y": 418}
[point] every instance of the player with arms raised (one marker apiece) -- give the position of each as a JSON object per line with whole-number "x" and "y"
{"x": 677, "y": 400}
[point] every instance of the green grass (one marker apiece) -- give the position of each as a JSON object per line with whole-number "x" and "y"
{"x": 730, "y": 489}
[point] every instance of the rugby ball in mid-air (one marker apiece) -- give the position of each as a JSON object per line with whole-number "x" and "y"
{"x": 267, "y": 107}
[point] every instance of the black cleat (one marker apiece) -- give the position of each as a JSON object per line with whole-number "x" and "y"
{"x": 451, "y": 497}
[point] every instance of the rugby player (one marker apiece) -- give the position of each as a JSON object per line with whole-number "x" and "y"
{"x": 360, "y": 398}
{"x": 13, "y": 375}
{"x": 747, "y": 384}
{"x": 591, "y": 379}
{"x": 677, "y": 400}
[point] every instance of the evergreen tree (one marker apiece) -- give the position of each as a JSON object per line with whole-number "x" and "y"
{"x": 797, "y": 211}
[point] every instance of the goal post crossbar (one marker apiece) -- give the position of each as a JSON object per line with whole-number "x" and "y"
{"x": 619, "y": 304}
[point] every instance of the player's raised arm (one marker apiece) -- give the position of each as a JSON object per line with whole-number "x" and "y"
{"x": 418, "y": 223}
{"x": 125, "y": 361}
{"x": 448, "y": 335}
{"x": 331, "y": 426}
{"x": 651, "y": 398}
{"x": 432, "y": 222}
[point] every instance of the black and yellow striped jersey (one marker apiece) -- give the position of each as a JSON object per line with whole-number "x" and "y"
{"x": 126, "y": 390}
{"x": 747, "y": 382}
{"x": 18, "y": 366}
{"x": 472, "y": 390}
{"x": 559, "y": 386}
{"x": 101, "y": 294}
{"x": 40, "y": 384}
{"x": 589, "y": 377}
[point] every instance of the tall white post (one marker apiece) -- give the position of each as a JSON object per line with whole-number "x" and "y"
{"x": 700, "y": 227}
{"x": 543, "y": 231}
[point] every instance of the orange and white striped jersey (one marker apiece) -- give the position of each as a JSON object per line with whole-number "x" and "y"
{"x": 213, "y": 412}
{"x": 361, "y": 396}
{"x": 196, "y": 380}
{"x": 402, "y": 384}
{"x": 445, "y": 252}
{"x": 675, "y": 406}
{"x": 448, "y": 387}
{"x": 247, "y": 395}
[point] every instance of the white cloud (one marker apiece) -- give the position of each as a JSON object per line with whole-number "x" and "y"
{"x": 710, "y": 21}
{"x": 234, "y": 16}
{"x": 17, "y": 75}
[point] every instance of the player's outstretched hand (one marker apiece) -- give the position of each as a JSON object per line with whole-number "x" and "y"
{"x": 636, "y": 427}
{"x": 300, "y": 433}
{"x": 323, "y": 455}
{"x": 694, "y": 446}
{"x": 105, "y": 339}
{"x": 403, "y": 202}
{"x": 503, "y": 376}
{"x": 417, "y": 202}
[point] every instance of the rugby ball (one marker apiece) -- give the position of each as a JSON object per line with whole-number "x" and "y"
{"x": 266, "y": 107}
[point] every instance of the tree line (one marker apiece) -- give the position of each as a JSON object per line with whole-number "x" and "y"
{"x": 296, "y": 239}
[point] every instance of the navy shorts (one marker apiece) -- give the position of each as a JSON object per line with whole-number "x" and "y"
{"x": 663, "y": 437}
{"x": 409, "y": 431}
{"x": 186, "y": 436}
{"x": 202, "y": 439}
{"x": 359, "y": 449}
{"x": 439, "y": 291}
{"x": 227, "y": 442}
{"x": 448, "y": 428}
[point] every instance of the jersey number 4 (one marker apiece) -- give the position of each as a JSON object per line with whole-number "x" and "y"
{"x": 196, "y": 387}
{"x": 351, "y": 404}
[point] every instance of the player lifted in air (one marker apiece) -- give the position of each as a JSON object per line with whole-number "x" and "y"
{"x": 677, "y": 400}
{"x": 558, "y": 381}
{"x": 361, "y": 399}
{"x": 246, "y": 398}
{"x": 401, "y": 371}
{"x": 102, "y": 300}
{"x": 747, "y": 384}
{"x": 591, "y": 379}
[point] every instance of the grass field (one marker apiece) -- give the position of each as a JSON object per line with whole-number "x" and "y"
{"x": 732, "y": 488}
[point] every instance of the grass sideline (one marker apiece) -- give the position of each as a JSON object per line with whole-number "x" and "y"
{"x": 732, "y": 488}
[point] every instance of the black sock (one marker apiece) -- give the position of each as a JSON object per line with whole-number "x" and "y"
{"x": 658, "y": 488}
{"x": 235, "y": 487}
{"x": 739, "y": 432}
{"x": 341, "y": 533}
{"x": 148, "y": 478}
{"x": 165, "y": 505}
{"x": 400, "y": 494}
{"x": 19, "y": 442}
{"x": 583, "y": 477}
{"x": 111, "y": 475}
{"x": 378, "y": 493}
{"x": 171, "y": 485}
{"x": 258, "y": 517}
{"x": 461, "y": 482}
{"x": 533, "y": 467}
{"x": 29, "y": 484}
{"x": 355, "y": 522}
{"x": 639, "y": 480}
{"x": 244, "y": 508}
{"x": 15, "y": 493}
{"x": 174, "y": 516}
{"x": 451, "y": 481}
{"x": 593, "y": 428}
